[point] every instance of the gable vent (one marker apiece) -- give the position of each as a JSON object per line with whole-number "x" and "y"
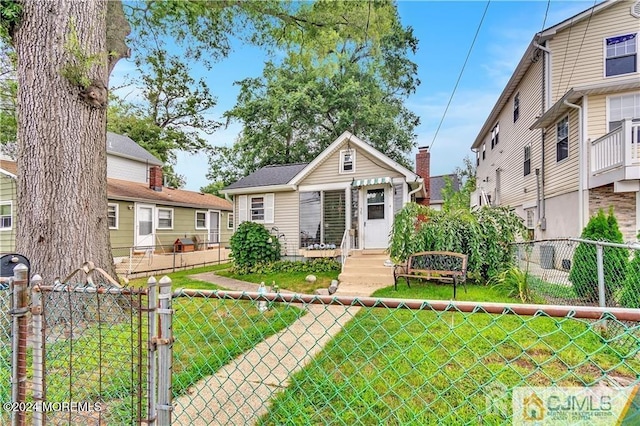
{"x": 635, "y": 9}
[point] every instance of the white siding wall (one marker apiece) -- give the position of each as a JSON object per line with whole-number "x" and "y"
{"x": 562, "y": 177}
{"x": 578, "y": 52}
{"x": 365, "y": 167}
{"x": 125, "y": 169}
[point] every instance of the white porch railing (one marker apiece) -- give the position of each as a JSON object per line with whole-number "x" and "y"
{"x": 345, "y": 248}
{"x": 616, "y": 149}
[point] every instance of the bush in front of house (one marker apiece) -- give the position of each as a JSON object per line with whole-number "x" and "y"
{"x": 630, "y": 295}
{"x": 252, "y": 244}
{"x": 584, "y": 271}
{"x": 313, "y": 267}
{"x": 484, "y": 234}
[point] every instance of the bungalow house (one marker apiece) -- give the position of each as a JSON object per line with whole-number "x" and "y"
{"x": 142, "y": 212}
{"x": 350, "y": 189}
{"x": 561, "y": 142}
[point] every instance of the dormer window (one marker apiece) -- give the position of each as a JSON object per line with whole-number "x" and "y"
{"x": 347, "y": 161}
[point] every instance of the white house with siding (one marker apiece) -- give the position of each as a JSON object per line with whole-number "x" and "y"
{"x": 350, "y": 189}
{"x": 562, "y": 139}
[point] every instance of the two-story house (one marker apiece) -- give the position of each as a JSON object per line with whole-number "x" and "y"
{"x": 562, "y": 139}
{"x": 142, "y": 213}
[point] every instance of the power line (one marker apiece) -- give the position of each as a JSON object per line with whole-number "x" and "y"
{"x": 460, "y": 75}
{"x": 581, "y": 44}
{"x": 546, "y": 12}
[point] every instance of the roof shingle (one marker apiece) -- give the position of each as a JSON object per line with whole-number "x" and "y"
{"x": 269, "y": 175}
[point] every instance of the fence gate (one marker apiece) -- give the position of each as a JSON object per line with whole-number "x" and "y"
{"x": 79, "y": 352}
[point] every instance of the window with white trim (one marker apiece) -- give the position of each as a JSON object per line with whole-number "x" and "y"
{"x": 230, "y": 221}
{"x": 516, "y": 107}
{"x": 257, "y": 209}
{"x": 621, "y": 55}
{"x": 494, "y": 135}
{"x": 484, "y": 151}
{"x": 527, "y": 160}
{"x": 621, "y": 107}
{"x": 530, "y": 218}
{"x": 112, "y": 215}
{"x": 348, "y": 161}
{"x": 562, "y": 139}
{"x": 6, "y": 215}
{"x": 201, "y": 220}
{"x": 165, "y": 218}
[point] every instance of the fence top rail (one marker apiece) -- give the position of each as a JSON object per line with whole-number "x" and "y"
{"x": 578, "y": 312}
{"x": 80, "y": 288}
{"x": 632, "y": 246}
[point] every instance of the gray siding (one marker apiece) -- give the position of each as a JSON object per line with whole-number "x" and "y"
{"x": 125, "y": 169}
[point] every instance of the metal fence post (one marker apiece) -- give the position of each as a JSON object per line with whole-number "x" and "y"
{"x": 38, "y": 349}
{"x": 164, "y": 341}
{"x": 19, "y": 310}
{"x": 152, "y": 304}
{"x": 600, "y": 263}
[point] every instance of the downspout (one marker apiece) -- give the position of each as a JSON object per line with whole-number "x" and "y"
{"x": 546, "y": 93}
{"x": 580, "y": 166}
{"x": 414, "y": 191}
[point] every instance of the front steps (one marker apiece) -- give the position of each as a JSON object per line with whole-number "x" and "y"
{"x": 364, "y": 272}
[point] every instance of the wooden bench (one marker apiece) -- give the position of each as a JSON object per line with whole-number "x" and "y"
{"x": 444, "y": 266}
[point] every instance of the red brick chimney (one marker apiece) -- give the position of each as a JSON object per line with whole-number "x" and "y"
{"x": 423, "y": 160}
{"x": 155, "y": 178}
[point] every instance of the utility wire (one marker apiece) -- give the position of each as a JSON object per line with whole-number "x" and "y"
{"x": 460, "y": 75}
{"x": 581, "y": 44}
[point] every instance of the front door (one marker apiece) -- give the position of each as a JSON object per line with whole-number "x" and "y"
{"x": 375, "y": 217}
{"x": 214, "y": 226}
{"x": 145, "y": 231}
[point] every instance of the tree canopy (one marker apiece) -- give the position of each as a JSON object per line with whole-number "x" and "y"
{"x": 299, "y": 106}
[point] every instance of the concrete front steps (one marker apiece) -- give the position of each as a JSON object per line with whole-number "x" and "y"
{"x": 364, "y": 272}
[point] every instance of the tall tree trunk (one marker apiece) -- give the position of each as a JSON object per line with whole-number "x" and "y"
{"x": 62, "y": 166}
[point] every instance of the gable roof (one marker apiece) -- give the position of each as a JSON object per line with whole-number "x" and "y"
{"x": 135, "y": 191}
{"x": 287, "y": 177}
{"x": 359, "y": 143}
{"x": 437, "y": 184}
{"x": 526, "y": 62}
{"x": 269, "y": 175}
{"x": 124, "y": 146}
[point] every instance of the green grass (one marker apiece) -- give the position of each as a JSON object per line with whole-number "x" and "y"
{"x": 442, "y": 291}
{"x": 181, "y": 279}
{"x": 292, "y": 281}
{"x": 208, "y": 334}
{"x": 426, "y": 367}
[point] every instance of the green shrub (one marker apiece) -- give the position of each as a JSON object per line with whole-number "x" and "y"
{"x": 313, "y": 266}
{"x": 514, "y": 281}
{"x": 584, "y": 271}
{"x": 630, "y": 296}
{"x": 252, "y": 244}
{"x": 483, "y": 234}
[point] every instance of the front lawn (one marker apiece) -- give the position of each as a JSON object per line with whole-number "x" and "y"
{"x": 291, "y": 281}
{"x": 398, "y": 366}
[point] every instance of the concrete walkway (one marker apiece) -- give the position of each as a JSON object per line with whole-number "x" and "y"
{"x": 239, "y": 393}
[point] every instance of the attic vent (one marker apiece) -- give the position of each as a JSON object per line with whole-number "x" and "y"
{"x": 635, "y": 9}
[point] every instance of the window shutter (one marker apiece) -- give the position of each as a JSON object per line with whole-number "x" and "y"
{"x": 242, "y": 208}
{"x": 269, "y": 204}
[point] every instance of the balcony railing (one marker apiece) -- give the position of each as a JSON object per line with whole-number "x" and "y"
{"x": 614, "y": 153}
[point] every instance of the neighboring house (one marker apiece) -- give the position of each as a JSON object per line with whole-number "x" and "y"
{"x": 437, "y": 184}
{"x": 142, "y": 213}
{"x": 562, "y": 140}
{"x": 7, "y": 205}
{"x": 349, "y": 186}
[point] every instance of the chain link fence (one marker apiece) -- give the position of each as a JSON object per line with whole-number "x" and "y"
{"x": 371, "y": 361}
{"x": 581, "y": 272}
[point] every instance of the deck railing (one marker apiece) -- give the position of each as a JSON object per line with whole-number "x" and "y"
{"x": 618, "y": 148}
{"x": 345, "y": 248}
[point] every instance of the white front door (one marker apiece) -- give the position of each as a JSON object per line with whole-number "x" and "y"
{"x": 214, "y": 226}
{"x": 375, "y": 218}
{"x": 145, "y": 229}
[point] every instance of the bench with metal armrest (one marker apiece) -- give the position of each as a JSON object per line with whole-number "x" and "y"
{"x": 444, "y": 266}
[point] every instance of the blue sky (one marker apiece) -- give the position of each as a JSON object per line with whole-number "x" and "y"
{"x": 445, "y": 30}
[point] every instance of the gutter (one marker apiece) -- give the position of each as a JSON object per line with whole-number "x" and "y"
{"x": 415, "y": 190}
{"x": 580, "y": 166}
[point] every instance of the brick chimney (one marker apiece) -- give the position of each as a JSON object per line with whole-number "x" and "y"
{"x": 155, "y": 178}
{"x": 423, "y": 160}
